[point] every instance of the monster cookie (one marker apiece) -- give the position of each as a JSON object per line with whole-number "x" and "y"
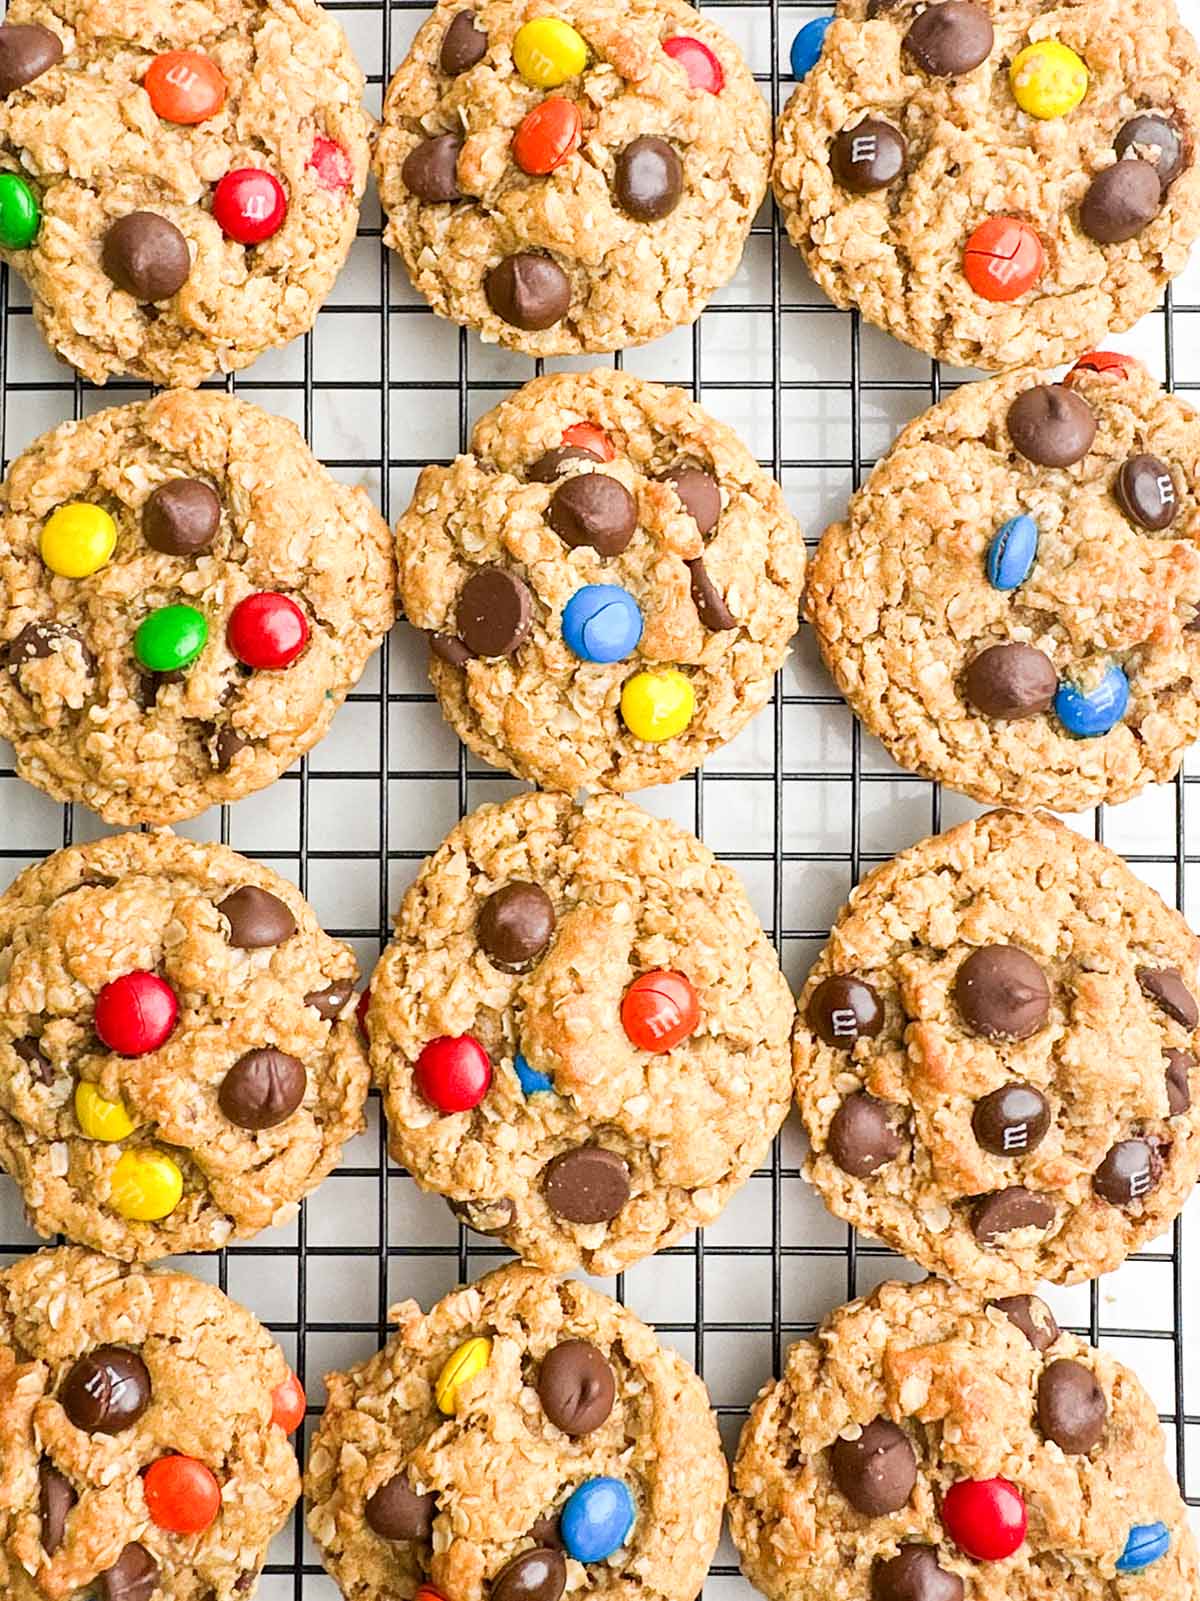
{"x": 179, "y": 184}
{"x": 179, "y": 1062}
{"x": 144, "y": 1423}
{"x": 995, "y": 1056}
{"x": 610, "y": 581}
{"x": 994, "y": 184}
{"x": 528, "y": 1436}
{"x": 925, "y": 1447}
{"x": 1011, "y": 602}
{"x": 186, "y": 596}
{"x": 572, "y": 179}
{"x": 580, "y": 1030}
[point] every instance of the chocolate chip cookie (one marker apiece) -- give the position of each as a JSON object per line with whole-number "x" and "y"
{"x": 179, "y": 1062}
{"x": 995, "y": 1056}
{"x": 571, "y": 178}
{"x": 179, "y": 185}
{"x": 995, "y": 184}
{"x": 580, "y": 1030}
{"x": 1011, "y": 602}
{"x": 186, "y": 596}
{"x": 143, "y": 1435}
{"x": 925, "y": 1447}
{"x": 527, "y": 1435}
{"x": 610, "y": 582}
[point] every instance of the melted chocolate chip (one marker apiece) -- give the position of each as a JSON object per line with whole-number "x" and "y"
{"x": 430, "y": 169}
{"x": 449, "y": 648}
{"x": 56, "y": 1497}
{"x": 226, "y": 746}
{"x": 1005, "y": 1211}
{"x": 546, "y": 1531}
{"x": 914, "y": 1574}
{"x": 330, "y": 1002}
{"x": 1165, "y": 986}
{"x": 256, "y": 918}
{"x": 26, "y": 51}
{"x": 1120, "y": 201}
{"x": 546, "y": 469}
{"x": 515, "y": 924}
{"x": 485, "y": 1217}
{"x": 1051, "y": 425}
{"x": 463, "y": 44}
{"x": 593, "y": 509}
{"x": 1179, "y": 1081}
{"x": 36, "y": 1060}
{"x": 862, "y": 1136}
{"x": 1002, "y": 993}
{"x": 648, "y": 179}
{"x": 528, "y": 291}
{"x": 146, "y": 256}
{"x": 106, "y": 1391}
{"x": 494, "y": 612}
{"x": 1010, "y": 681}
{"x": 576, "y": 1387}
{"x": 699, "y": 492}
{"x": 132, "y": 1577}
{"x": 707, "y": 599}
{"x": 37, "y": 641}
{"x": 586, "y": 1185}
{"x": 396, "y": 1512}
{"x": 181, "y": 517}
{"x": 1032, "y": 1316}
{"x": 262, "y": 1089}
{"x": 876, "y": 1473}
{"x": 1071, "y": 1407}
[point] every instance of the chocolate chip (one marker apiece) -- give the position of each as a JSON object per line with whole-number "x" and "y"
{"x": 1001, "y": 993}
{"x": 515, "y": 923}
{"x": 226, "y": 746}
{"x": 949, "y": 39}
{"x": 699, "y": 492}
{"x": 537, "y": 1575}
{"x": 546, "y": 469}
{"x": 39, "y": 640}
{"x": 132, "y": 1577}
{"x": 35, "y": 1059}
{"x": 26, "y": 51}
{"x": 1012, "y": 1120}
{"x": 396, "y": 1512}
{"x": 430, "y": 169}
{"x": 485, "y": 1217}
{"x": 262, "y": 1088}
{"x": 449, "y": 648}
{"x": 1010, "y": 681}
{"x": 463, "y": 44}
{"x": 1004, "y": 1211}
{"x": 862, "y": 1138}
{"x": 576, "y": 1387}
{"x": 595, "y": 510}
{"x": 56, "y": 1494}
{"x": 528, "y": 291}
{"x": 869, "y": 156}
{"x": 913, "y": 1574}
{"x": 1071, "y": 1407}
{"x": 586, "y": 1185}
{"x": 1130, "y": 1171}
{"x": 106, "y": 1391}
{"x": 1165, "y": 986}
{"x": 1051, "y": 425}
{"x": 1179, "y": 1081}
{"x": 1145, "y": 491}
{"x": 1155, "y": 141}
{"x": 707, "y": 599}
{"x": 1120, "y": 201}
{"x": 330, "y": 1002}
{"x": 147, "y": 686}
{"x": 181, "y": 517}
{"x": 256, "y": 918}
{"x": 1032, "y": 1316}
{"x": 843, "y": 1010}
{"x": 147, "y": 256}
{"x": 245, "y": 1580}
{"x": 494, "y": 612}
{"x": 648, "y": 179}
{"x": 876, "y": 1473}
{"x": 546, "y": 1531}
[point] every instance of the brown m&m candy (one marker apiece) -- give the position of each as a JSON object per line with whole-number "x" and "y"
{"x": 648, "y": 179}
{"x": 862, "y": 1137}
{"x": 699, "y": 492}
{"x": 528, "y": 291}
{"x": 515, "y": 923}
{"x": 106, "y": 1391}
{"x": 1002, "y": 993}
{"x": 463, "y": 44}
{"x": 181, "y": 517}
{"x": 1071, "y": 1407}
{"x": 146, "y": 256}
{"x": 1032, "y": 1316}
{"x": 1051, "y": 425}
{"x": 949, "y": 39}
{"x": 1145, "y": 492}
{"x": 586, "y": 1185}
{"x": 537, "y": 1575}
{"x": 262, "y": 1088}
{"x": 430, "y": 169}
{"x": 396, "y": 1512}
{"x": 256, "y": 918}
{"x": 843, "y": 1010}
{"x": 914, "y": 1574}
{"x": 494, "y": 612}
{"x": 869, "y": 156}
{"x": 1010, "y": 681}
{"x": 26, "y": 51}
{"x": 1005, "y": 1211}
{"x": 1012, "y": 1120}
{"x": 576, "y": 1387}
{"x": 1165, "y": 986}
{"x": 1155, "y": 141}
{"x": 593, "y": 509}
{"x": 877, "y": 1471}
{"x": 1130, "y": 1171}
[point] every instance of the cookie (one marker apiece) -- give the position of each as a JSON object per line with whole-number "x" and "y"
{"x": 580, "y": 1030}
{"x": 186, "y": 596}
{"x": 1011, "y": 602}
{"x": 179, "y": 1062}
{"x": 179, "y": 185}
{"x": 144, "y": 1445}
{"x": 575, "y": 178}
{"x": 925, "y": 1447}
{"x": 995, "y": 1057}
{"x": 610, "y": 581}
{"x": 995, "y": 185}
{"x": 528, "y": 1435}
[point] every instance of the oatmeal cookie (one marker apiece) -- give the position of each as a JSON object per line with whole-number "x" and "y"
{"x": 179, "y": 184}
{"x": 528, "y": 1436}
{"x": 580, "y": 1030}
{"x": 995, "y": 184}
{"x": 610, "y": 580}
{"x": 179, "y": 1062}
{"x": 572, "y": 177}
{"x": 186, "y": 596}
{"x": 924, "y": 1447}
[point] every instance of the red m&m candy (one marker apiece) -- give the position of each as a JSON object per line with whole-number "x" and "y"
{"x": 135, "y": 1013}
{"x": 184, "y": 86}
{"x": 267, "y": 630}
{"x": 453, "y": 1073}
{"x": 360, "y": 1011}
{"x": 249, "y": 205}
{"x": 1003, "y": 258}
{"x": 985, "y": 1518}
{"x": 547, "y": 135}
{"x": 1104, "y": 361}
{"x": 288, "y": 1403}
{"x": 659, "y": 1010}
{"x": 697, "y": 60}
{"x": 182, "y": 1495}
{"x": 586, "y": 436}
{"x": 331, "y": 164}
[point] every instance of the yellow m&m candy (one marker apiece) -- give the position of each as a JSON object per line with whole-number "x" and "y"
{"x": 547, "y": 52}
{"x": 1048, "y": 79}
{"x": 658, "y": 705}
{"x": 471, "y": 1358}
{"x": 101, "y": 1119}
{"x": 145, "y": 1186}
{"x": 78, "y": 539}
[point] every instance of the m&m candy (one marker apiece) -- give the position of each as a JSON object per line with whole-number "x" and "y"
{"x": 1012, "y": 552}
{"x": 78, "y": 539}
{"x": 135, "y": 1013}
{"x": 548, "y": 51}
{"x": 658, "y": 705}
{"x": 267, "y": 630}
{"x": 98, "y": 1118}
{"x": 1103, "y": 361}
{"x": 331, "y": 164}
{"x": 1048, "y": 79}
{"x": 602, "y": 623}
{"x": 703, "y": 69}
{"x": 182, "y": 1494}
{"x": 20, "y": 214}
{"x": 470, "y": 1359}
{"x": 288, "y": 1404}
{"x": 361, "y": 1010}
{"x": 659, "y": 1010}
{"x": 985, "y": 1518}
{"x": 531, "y": 1081}
{"x": 1087, "y": 713}
{"x": 185, "y": 86}
{"x": 547, "y": 135}
{"x": 1003, "y": 258}
{"x": 597, "y": 1519}
{"x": 170, "y": 638}
{"x": 249, "y": 205}
{"x": 453, "y": 1073}
{"x": 145, "y": 1186}
{"x": 586, "y": 436}
{"x": 1147, "y": 1543}
{"x": 807, "y": 46}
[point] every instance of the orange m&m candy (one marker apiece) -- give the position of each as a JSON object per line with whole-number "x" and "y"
{"x": 182, "y": 1495}
{"x": 1003, "y": 258}
{"x": 185, "y": 86}
{"x": 288, "y": 1402}
{"x": 1104, "y": 361}
{"x": 547, "y": 135}
{"x": 659, "y": 1010}
{"x": 586, "y": 436}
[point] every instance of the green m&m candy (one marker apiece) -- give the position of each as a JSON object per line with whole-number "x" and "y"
{"x": 170, "y": 638}
{"x": 20, "y": 214}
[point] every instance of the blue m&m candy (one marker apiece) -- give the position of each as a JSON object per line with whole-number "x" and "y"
{"x": 597, "y": 1519}
{"x": 806, "y": 46}
{"x": 533, "y": 1083}
{"x": 602, "y": 623}
{"x": 1147, "y": 1543}
{"x": 1012, "y": 552}
{"x": 1088, "y": 713}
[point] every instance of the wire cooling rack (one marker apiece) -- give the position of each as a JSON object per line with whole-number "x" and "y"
{"x": 801, "y": 804}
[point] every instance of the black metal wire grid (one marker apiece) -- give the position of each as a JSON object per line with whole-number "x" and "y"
{"x": 368, "y": 1237}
